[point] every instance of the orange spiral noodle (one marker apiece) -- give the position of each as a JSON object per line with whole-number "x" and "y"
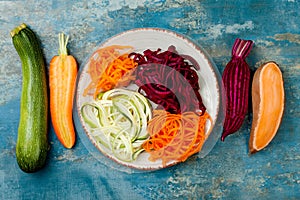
{"x": 109, "y": 67}
{"x": 175, "y": 137}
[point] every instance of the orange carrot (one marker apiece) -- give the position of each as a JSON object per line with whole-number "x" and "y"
{"x": 62, "y": 79}
{"x": 175, "y": 137}
{"x": 109, "y": 67}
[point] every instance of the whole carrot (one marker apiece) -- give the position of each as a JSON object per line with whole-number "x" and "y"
{"x": 62, "y": 79}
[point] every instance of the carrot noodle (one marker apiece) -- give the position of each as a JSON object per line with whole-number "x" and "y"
{"x": 175, "y": 137}
{"x": 109, "y": 67}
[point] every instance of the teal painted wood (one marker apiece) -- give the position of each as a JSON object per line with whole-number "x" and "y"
{"x": 228, "y": 172}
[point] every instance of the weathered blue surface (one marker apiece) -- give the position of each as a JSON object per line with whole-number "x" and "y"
{"x": 228, "y": 172}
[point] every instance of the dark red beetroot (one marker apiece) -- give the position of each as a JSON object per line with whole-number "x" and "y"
{"x": 169, "y": 80}
{"x": 236, "y": 80}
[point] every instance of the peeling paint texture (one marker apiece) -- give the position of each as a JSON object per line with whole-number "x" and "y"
{"x": 228, "y": 172}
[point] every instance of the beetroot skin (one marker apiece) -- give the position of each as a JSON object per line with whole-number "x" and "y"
{"x": 236, "y": 80}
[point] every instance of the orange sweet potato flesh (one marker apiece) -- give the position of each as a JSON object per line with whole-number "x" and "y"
{"x": 268, "y": 105}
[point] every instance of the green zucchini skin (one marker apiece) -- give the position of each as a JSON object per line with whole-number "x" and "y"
{"x": 32, "y": 142}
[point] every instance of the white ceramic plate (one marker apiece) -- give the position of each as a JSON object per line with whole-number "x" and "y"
{"x": 152, "y": 38}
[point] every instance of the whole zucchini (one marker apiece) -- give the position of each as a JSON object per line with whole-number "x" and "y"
{"x": 32, "y": 143}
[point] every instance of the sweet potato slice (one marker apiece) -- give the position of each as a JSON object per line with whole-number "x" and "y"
{"x": 268, "y": 105}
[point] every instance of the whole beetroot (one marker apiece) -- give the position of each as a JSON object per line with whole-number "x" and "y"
{"x": 236, "y": 80}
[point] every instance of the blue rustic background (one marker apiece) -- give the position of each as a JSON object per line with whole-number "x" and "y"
{"x": 228, "y": 172}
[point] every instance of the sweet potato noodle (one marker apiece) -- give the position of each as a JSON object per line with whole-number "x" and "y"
{"x": 175, "y": 136}
{"x": 169, "y": 80}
